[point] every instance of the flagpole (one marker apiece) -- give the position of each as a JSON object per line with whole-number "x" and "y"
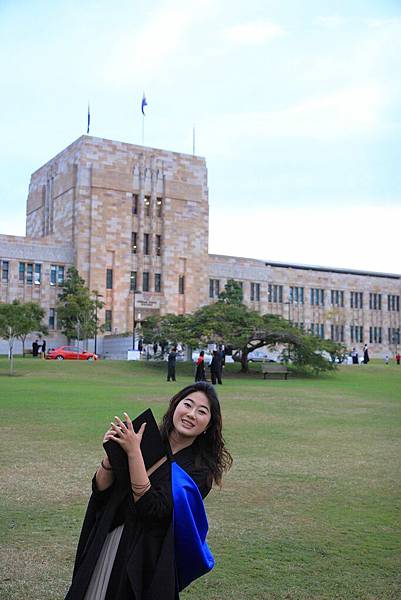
{"x": 193, "y": 140}
{"x": 143, "y": 130}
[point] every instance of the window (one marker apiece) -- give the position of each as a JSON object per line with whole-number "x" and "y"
{"x": 159, "y": 206}
{"x": 4, "y": 271}
{"x": 146, "y": 243}
{"x": 356, "y": 299}
{"x": 133, "y": 279}
{"x": 181, "y": 284}
{"x": 56, "y": 275}
{"x": 375, "y": 335}
{"x": 147, "y": 206}
{"x": 158, "y": 282}
{"x": 145, "y": 281}
{"x": 52, "y": 318}
{"x": 296, "y": 295}
{"x": 375, "y": 301}
{"x": 214, "y": 288}
{"x": 317, "y": 297}
{"x": 255, "y": 292}
{"x": 356, "y": 332}
{"x": 133, "y": 242}
{"x": 337, "y": 298}
{"x": 393, "y": 302}
{"x": 135, "y": 199}
{"x": 109, "y": 279}
{"x": 275, "y": 293}
{"x": 317, "y": 329}
{"x": 108, "y": 318}
{"x": 38, "y": 274}
{"x": 21, "y": 272}
{"x": 29, "y": 273}
{"x": 337, "y": 333}
{"x": 394, "y": 335}
{"x": 158, "y": 245}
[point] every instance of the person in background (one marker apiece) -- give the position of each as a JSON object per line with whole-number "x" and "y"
{"x": 215, "y": 368}
{"x": 398, "y": 358}
{"x": 200, "y": 374}
{"x": 365, "y": 354}
{"x": 43, "y": 349}
{"x": 386, "y": 359}
{"x": 171, "y": 362}
{"x": 35, "y": 348}
{"x": 155, "y": 347}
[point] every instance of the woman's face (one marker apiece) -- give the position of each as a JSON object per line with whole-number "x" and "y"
{"x": 192, "y": 415}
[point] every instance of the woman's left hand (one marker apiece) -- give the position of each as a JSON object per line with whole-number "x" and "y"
{"x": 125, "y": 436}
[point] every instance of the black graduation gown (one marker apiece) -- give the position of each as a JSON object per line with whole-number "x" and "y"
{"x": 144, "y": 566}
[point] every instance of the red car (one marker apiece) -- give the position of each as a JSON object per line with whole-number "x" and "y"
{"x": 70, "y": 353}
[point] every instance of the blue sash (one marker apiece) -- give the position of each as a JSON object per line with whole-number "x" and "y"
{"x": 192, "y": 555}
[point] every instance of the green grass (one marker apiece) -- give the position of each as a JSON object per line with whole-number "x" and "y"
{"x": 310, "y": 510}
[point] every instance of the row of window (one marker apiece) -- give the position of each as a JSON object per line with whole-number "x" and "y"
{"x": 147, "y": 205}
{"x": 31, "y": 273}
{"x": 146, "y": 282}
{"x": 146, "y": 249}
{"x": 296, "y": 295}
{"x": 337, "y": 333}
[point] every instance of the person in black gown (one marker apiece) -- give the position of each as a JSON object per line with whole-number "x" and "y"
{"x": 127, "y": 546}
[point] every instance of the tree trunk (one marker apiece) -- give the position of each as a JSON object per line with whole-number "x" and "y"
{"x": 244, "y": 362}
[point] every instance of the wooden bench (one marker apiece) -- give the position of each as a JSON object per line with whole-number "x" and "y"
{"x": 274, "y": 369}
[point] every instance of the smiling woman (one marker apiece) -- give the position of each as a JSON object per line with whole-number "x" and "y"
{"x": 146, "y": 540}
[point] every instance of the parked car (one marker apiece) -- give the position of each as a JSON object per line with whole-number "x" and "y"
{"x": 70, "y": 353}
{"x": 260, "y": 356}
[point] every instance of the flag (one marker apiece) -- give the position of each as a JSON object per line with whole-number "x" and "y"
{"x": 89, "y": 119}
{"x": 144, "y": 103}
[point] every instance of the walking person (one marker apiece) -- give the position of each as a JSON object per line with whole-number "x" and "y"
{"x": 398, "y": 358}
{"x": 200, "y": 374}
{"x": 43, "y": 349}
{"x": 171, "y": 362}
{"x": 145, "y": 538}
{"x": 365, "y": 354}
{"x": 35, "y": 348}
{"x": 215, "y": 368}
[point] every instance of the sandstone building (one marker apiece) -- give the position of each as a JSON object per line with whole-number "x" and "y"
{"x": 132, "y": 218}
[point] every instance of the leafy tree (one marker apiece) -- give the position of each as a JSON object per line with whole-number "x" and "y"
{"x": 76, "y": 309}
{"x": 30, "y": 320}
{"x": 231, "y": 323}
{"x": 16, "y": 321}
{"x": 232, "y": 293}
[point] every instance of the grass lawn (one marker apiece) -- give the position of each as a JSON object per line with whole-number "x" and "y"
{"x": 310, "y": 509}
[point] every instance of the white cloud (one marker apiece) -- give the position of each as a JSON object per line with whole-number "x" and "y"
{"x": 254, "y": 33}
{"x": 339, "y": 114}
{"x": 146, "y": 52}
{"x": 329, "y": 22}
{"x": 323, "y": 236}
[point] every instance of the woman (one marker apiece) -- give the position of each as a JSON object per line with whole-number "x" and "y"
{"x": 200, "y": 374}
{"x": 128, "y": 549}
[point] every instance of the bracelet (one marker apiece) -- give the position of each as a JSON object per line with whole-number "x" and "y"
{"x": 106, "y": 468}
{"x": 139, "y": 490}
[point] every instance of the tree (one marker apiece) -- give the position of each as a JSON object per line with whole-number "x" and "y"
{"x": 231, "y": 323}
{"x": 232, "y": 293}
{"x": 76, "y": 309}
{"x": 30, "y": 320}
{"x": 16, "y": 321}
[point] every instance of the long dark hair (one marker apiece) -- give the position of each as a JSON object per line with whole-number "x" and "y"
{"x": 209, "y": 447}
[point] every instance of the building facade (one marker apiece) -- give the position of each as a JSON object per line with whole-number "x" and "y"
{"x": 135, "y": 222}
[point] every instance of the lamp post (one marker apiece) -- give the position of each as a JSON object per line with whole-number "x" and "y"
{"x": 97, "y": 296}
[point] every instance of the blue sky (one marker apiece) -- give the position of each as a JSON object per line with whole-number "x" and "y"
{"x": 296, "y": 105}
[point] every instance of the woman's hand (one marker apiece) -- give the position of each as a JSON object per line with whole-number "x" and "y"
{"x": 125, "y": 436}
